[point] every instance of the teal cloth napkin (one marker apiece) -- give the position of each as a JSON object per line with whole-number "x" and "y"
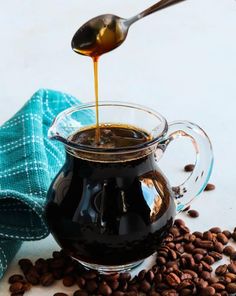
{"x": 28, "y": 163}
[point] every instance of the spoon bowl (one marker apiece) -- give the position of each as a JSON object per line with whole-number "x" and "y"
{"x": 100, "y": 35}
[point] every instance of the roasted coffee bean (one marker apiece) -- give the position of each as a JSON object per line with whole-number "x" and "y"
{"x": 217, "y": 256}
{"x": 206, "y": 275}
{"x": 218, "y": 287}
{"x": 32, "y": 276}
{"x": 218, "y": 247}
{"x": 179, "y": 222}
{"x": 231, "y": 276}
{"x": 145, "y": 286}
{"x": 25, "y": 264}
{"x": 80, "y": 293}
{"x": 209, "y": 187}
{"x": 104, "y": 289}
{"x": 47, "y": 279}
{"x": 114, "y": 284}
{"x": 200, "y": 251}
{"x": 125, "y": 276}
{"x": 16, "y": 287}
{"x": 198, "y": 257}
{"x": 232, "y": 268}
{"x": 189, "y": 167}
{"x": 57, "y": 274}
{"x": 208, "y": 235}
{"x": 222, "y": 238}
{"x": 91, "y": 286}
{"x": 80, "y": 282}
{"x": 234, "y": 236}
{"x": 208, "y": 291}
{"x": 198, "y": 234}
{"x": 193, "y": 213}
{"x": 231, "y": 288}
{"x": 228, "y": 250}
{"x": 221, "y": 269}
{"x": 15, "y": 278}
{"x": 215, "y": 230}
{"x": 227, "y": 233}
{"x": 68, "y": 281}
{"x": 173, "y": 280}
{"x": 189, "y": 247}
{"x": 60, "y": 294}
{"x": 206, "y": 266}
{"x": 205, "y": 244}
{"x": 233, "y": 256}
{"x": 90, "y": 275}
{"x": 209, "y": 259}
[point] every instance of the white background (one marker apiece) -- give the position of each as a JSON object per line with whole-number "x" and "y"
{"x": 180, "y": 61}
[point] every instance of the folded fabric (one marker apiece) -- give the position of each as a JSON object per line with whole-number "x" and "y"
{"x": 28, "y": 163}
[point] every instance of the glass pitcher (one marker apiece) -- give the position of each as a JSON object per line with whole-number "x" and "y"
{"x": 110, "y": 207}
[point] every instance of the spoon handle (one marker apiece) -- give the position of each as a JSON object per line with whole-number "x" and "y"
{"x": 158, "y": 6}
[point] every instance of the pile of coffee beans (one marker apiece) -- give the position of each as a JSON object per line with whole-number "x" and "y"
{"x": 183, "y": 267}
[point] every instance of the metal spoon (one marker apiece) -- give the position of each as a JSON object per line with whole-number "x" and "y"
{"x": 106, "y": 32}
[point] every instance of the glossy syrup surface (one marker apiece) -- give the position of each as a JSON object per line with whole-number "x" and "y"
{"x": 110, "y": 213}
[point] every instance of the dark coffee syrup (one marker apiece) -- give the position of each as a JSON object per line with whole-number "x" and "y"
{"x": 110, "y": 213}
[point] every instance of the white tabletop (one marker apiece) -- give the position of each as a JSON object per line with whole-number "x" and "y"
{"x": 180, "y": 61}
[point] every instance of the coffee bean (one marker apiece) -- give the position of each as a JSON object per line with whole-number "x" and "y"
{"x": 221, "y": 269}
{"x": 218, "y": 287}
{"x": 234, "y": 236}
{"x": 231, "y": 288}
{"x": 179, "y": 222}
{"x": 47, "y": 279}
{"x": 232, "y": 268}
{"x": 16, "y": 287}
{"x": 209, "y": 187}
{"x": 145, "y": 286}
{"x": 227, "y": 233}
{"x": 80, "y": 282}
{"x": 209, "y": 259}
{"x": 173, "y": 280}
{"x": 208, "y": 291}
{"x": 91, "y": 286}
{"x": 125, "y": 276}
{"x": 228, "y": 250}
{"x": 231, "y": 276}
{"x": 32, "y": 276}
{"x": 68, "y": 281}
{"x": 104, "y": 289}
{"x": 206, "y": 275}
{"x": 198, "y": 234}
{"x": 189, "y": 167}
{"x": 222, "y": 238}
{"x": 15, "y": 278}
{"x": 208, "y": 235}
{"x": 60, "y": 294}
{"x": 193, "y": 213}
{"x": 217, "y": 256}
{"x": 204, "y": 244}
{"x": 198, "y": 257}
{"x": 90, "y": 275}
{"x": 233, "y": 256}
{"x": 218, "y": 247}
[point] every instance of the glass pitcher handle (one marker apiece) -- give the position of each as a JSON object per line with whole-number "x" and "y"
{"x": 198, "y": 179}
